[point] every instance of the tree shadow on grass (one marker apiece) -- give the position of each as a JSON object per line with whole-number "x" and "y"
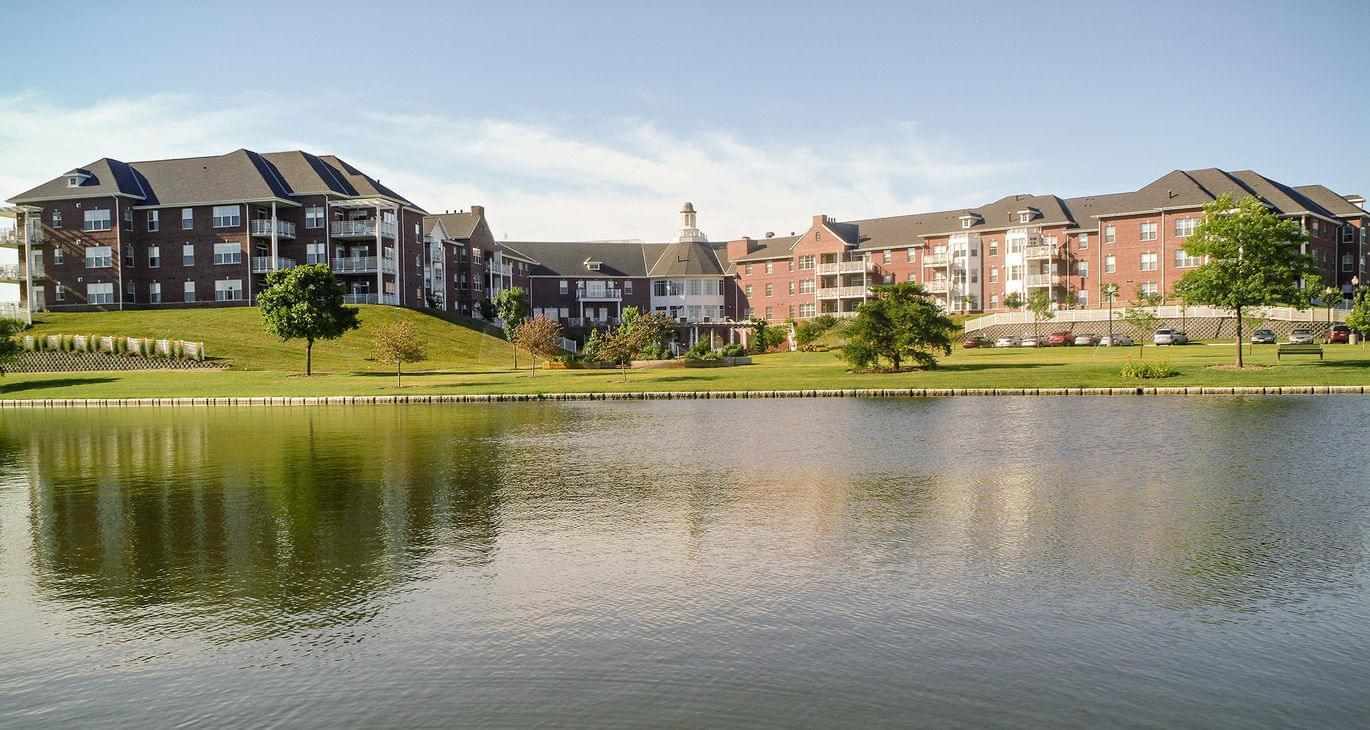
{"x": 945, "y": 367}
{"x": 44, "y": 384}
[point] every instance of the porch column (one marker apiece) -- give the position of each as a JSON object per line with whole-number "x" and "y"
{"x": 380, "y": 259}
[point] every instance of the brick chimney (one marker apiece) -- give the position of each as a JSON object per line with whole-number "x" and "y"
{"x": 819, "y": 220}
{"x": 478, "y": 211}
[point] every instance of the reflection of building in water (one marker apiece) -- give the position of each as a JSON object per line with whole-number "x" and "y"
{"x": 257, "y": 515}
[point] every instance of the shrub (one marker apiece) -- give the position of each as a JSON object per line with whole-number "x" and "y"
{"x": 733, "y": 350}
{"x": 658, "y": 351}
{"x": 1148, "y": 370}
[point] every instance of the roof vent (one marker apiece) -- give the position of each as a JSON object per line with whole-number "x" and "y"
{"x": 770, "y": 234}
{"x": 1170, "y": 194}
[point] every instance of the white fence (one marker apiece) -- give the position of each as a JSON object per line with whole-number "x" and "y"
{"x": 1274, "y": 314}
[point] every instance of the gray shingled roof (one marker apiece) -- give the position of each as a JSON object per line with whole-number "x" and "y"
{"x": 307, "y": 174}
{"x": 458, "y": 225}
{"x": 688, "y": 259}
{"x": 238, "y": 175}
{"x": 768, "y": 248}
{"x": 621, "y": 259}
{"x": 1330, "y": 200}
{"x": 365, "y": 185}
{"x": 108, "y": 177}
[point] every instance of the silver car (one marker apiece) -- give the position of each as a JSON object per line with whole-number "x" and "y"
{"x": 1116, "y": 341}
{"x": 1032, "y": 341}
{"x": 1301, "y": 336}
{"x": 1168, "y": 336}
{"x": 1088, "y": 338}
{"x": 1006, "y": 342}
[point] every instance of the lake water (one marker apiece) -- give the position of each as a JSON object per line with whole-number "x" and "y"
{"x": 956, "y": 562}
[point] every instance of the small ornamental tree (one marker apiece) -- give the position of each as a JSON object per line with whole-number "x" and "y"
{"x": 1040, "y": 305}
{"x": 901, "y": 322}
{"x": 541, "y": 337}
{"x": 1142, "y": 319}
{"x": 807, "y": 332}
{"x": 1358, "y": 319}
{"x": 620, "y": 346}
{"x": 306, "y": 303}
{"x": 1013, "y": 300}
{"x": 511, "y": 305}
{"x": 9, "y": 347}
{"x": 654, "y": 330}
{"x": 1251, "y": 259}
{"x": 398, "y": 343}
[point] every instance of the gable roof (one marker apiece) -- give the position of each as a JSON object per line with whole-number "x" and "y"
{"x": 620, "y": 258}
{"x": 459, "y": 225}
{"x": 107, "y": 177}
{"x": 1331, "y": 201}
{"x": 768, "y": 248}
{"x": 688, "y": 259}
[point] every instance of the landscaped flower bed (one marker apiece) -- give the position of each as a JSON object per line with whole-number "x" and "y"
{"x": 144, "y": 347}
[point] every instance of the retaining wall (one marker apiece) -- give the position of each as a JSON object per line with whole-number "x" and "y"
{"x": 1199, "y": 328}
{"x": 92, "y": 362}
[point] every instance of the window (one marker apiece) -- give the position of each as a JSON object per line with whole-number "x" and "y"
{"x": 130, "y": 256}
{"x": 994, "y": 301}
{"x": 806, "y": 286}
{"x": 561, "y": 287}
{"x": 154, "y": 221}
{"x": 313, "y": 216}
{"x": 1083, "y": 241}
{"x": 748, "y": 289}
{"x": 807, "y": 310}
{"x": 228, "y": 253}
{"x": 154, "y": 292}
{"x": 97, "y": 220}
{"x": 908, "y": 252}
{"x": 769, "y": 268}
{"x": 694, "y": 287}
{"x": 1148, "y": 231}
{"x": 315, "y": 253}
{"x": 789, "y": 264}
{"x": 188, "y": 254}
{"x": 994, "y": 274}
{"x": 749, "y": 269}
{"x": 1110, "y": 234}
{"x": 1014, "y": 273}
{"x": 1110, "y": 265}
{"x": 128, "y": 219}
{"x": 475, "y": 251}
{"x": 228, "y": 216}
{"x": 1348, "y": 263}
{"x": 228, "y": 290}
{"x": 187, "y": 218}
{"x": 1185, "y": 261}
{"x": 130, "y": 292}
{"x": 993, "y": 248}
{"x": 659, "y": 288}
{"x": 885, "y": 257}
{"x": 57, "y": 255}
{"x": 1148, "y": 262}
{"x": 770, "y": 289}
{"x": 628, "y": 287}
{"x": 791, "y": 286}
{"x": 1348, "y": 234}
{"x": 912, "y": 279}
{"x": 768, "y": 313}
{"x": 806, "y": 263}
{"x": 1024, "y": 217}
{"x": 99, "y": 257}
{"x": 1147, "y": 289}
{"x": 102, "y": 293}
{"x": 189, "y": 294}
{"x": 59, "y": 293}
{"x": 1082, "y": 269}
{"x": 1082, "y": 297}
{"x": 889, "y": 279}
{"x": 1185, "y": 226}
{"x": 56, "y": 219}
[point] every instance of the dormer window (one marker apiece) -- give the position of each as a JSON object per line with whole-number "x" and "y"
{"x": 971, "y": 219}
{"x": 965, "y": 223}
{"x": 593, "y": 265}
{"x": 77, "y": 178}
{"x": 1024, "y": 217}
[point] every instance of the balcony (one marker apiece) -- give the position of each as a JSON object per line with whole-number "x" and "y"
{"x": 10, "y": 273}
{"x": 842, "y": 292}
{"x": 264, "y": 264}
{"x": 937, "y": 260}
{"x": 1041, "y": 280}
{"x": 9, "y": 238}
{"x": 844, "y": 267}
{"x": 937, "y": 286}
{"x": 371, "y": 299}
{"x": 603, "y": 294}
{"x": 262, "y": 227}
{"x": 1040, "y": 252}
{"x": 362, "y": 265}
{"x": 361, "y": 229}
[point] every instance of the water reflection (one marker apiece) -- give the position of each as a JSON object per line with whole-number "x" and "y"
{"x": 959, "y": 560}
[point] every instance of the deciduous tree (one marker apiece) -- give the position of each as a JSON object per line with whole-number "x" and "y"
{"x": 512, "y": 307}
{"x": 1040, "y": 304}
{"x": 1252, "y": 259}
{"x": 398, "y": 343}
{"x": 541, "y": 337}
{"x": 306, "y": 302}
{"x": 9, "y": 347}
{"x": 900, "y": 322}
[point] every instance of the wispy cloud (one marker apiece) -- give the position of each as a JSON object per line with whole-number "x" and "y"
{"x": 618, "y": 178}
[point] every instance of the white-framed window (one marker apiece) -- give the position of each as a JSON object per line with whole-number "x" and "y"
{"x": 228, "y": 253}
{"x": 56, "y": 219}
{"x": 154, "y": 220}
{"x": 188, "y": 254}
{"x": 128, "y": 219}
{"x": 1024, "y": 217}
{"x": 1147, "y": 289}
{"x": 1082, "y": 269}
{"x": 628, "y": 286}
{"x": 993, "y": 248}
{"x": 1110, "y": 264}
{"x": 1185, "y": 226}
{"x": 695, "y": 286}
{"x": 1082, "y": 241}
{"x": 101, "y": 293}
{"x": 1348, "y": 263}
{"x": 475, "y": 251}
{"x": 806, "y": 286}
{"x": 1148, "y": 261}
{"x": 748, "y": 269}
{"x": 316, "y": 253}
{"x": 228, "y": 290}
{"x": 154, "y": 292}
{"x": 59, "y": 293}
{"x": 791, "y": 286}
{"x": 563, "y": 287}
{"x": 187, "y": 218}
{"x": 1185, "y": 261}
{"x": 994, "y": 274}
{"x": 130, "y": 255}
{"x": 909, "y": 254}
{"x": 1082, "y": 297}
{"x": 748, "y": 289}
{"x": 1014, "y": 272}
{"x": 770, "y": 289}
{"x": 1110, "y": 234}
{"x": 770, "y": 266}
{"x": 886, "y": 257}
{"x": 769, "y": 314}
{"x": 912, "y": 278}
{"x": 1147, "y": 231}
{"x": 97, "y": 219}
{"x": 313, "y": 216}
{"x": 808, "y": 310}
{"x": 966, "y": 222}
{"x": 806, "y": 263}
{"x": 57, "y": 256}
{"x": 189, "y": 292}
{"x": 99, "y": 257}
{"x": 228, "y": 216}
{"x": 130, "y": 292}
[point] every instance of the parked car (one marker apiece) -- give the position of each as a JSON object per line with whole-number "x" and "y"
{"x": 973, "y": 341}
{"x": 1339, "y": 333}
{"x": 1006, "y": 342}
{"x": 1032, "y": 341}
{"x": 1263, "y": 337}
{"x": 1301, "y": 336}
{"x": 1063, "y": 338}
{"x": 1166, "y": 336}
{"x": 1089, "y": 338}
{"x": 1116, "y": 341}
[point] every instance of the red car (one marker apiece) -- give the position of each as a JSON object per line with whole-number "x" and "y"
{"x": 1060, "y": 339}
{"x": 974, "y": 341}
{"x": 1339, "y": 333}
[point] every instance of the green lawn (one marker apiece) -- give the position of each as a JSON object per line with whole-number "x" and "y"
{"x": 467, "y": 361}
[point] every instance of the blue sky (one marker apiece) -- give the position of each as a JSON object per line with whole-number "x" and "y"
{"x": 595, "y": 120}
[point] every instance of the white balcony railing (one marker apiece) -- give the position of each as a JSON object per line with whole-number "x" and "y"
{"x": 1039, "y": 280}
{"x": 844, "y": 267}
{"x": 1041, "y": 251}
{"x": 842, "y": 292}
{"x": 937, "y": 286}
{"x": 262, "y": 227}
{"x": 362, "y": 265}
{"x": 361, "y": 299}
{"x": 9, "y": 237}
{"x": 263, "y": 264}
{"x": 937, "y": 259}
{"x": 608, "y": 293}
{"x": 361, "y": 229}
{"x": 10, "y": 272}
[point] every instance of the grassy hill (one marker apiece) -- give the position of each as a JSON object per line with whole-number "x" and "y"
{"x": 237, "y": 335}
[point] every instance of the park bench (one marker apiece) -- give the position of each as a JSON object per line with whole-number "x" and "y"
{"x": 1290, "y": 349}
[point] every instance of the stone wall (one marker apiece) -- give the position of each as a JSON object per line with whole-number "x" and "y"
{"x": 1199, "y": 328}
{"x": 85, "y": 362}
